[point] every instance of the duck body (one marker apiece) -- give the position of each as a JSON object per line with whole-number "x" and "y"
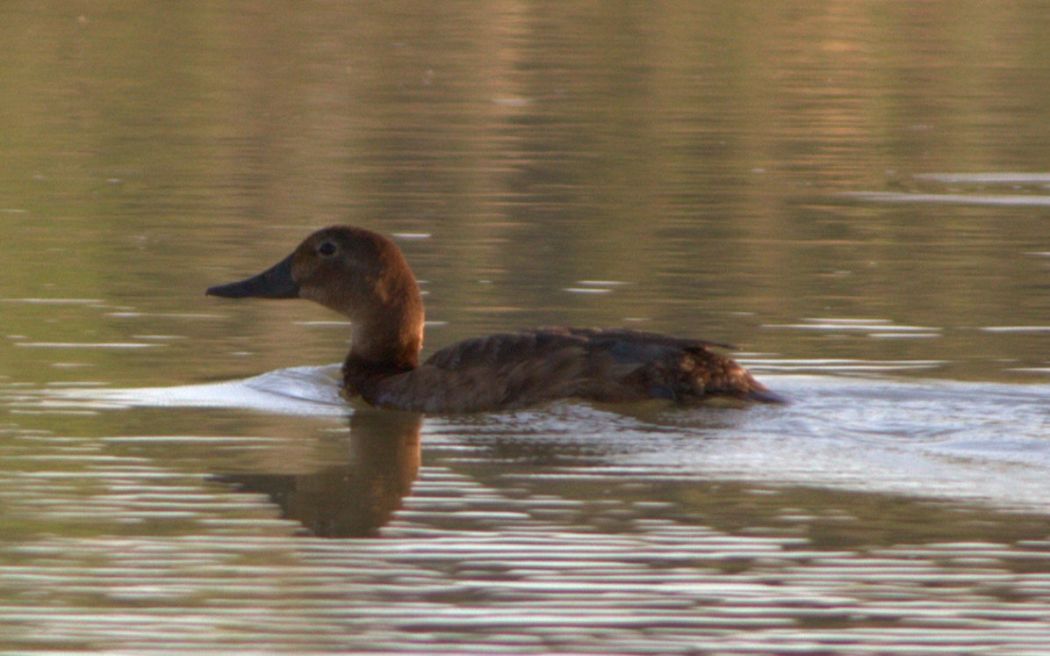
{"x": 364, "y": 276}
{"x": 514, "y": 370}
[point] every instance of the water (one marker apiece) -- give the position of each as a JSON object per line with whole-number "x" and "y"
{"x": 855, "y": 194}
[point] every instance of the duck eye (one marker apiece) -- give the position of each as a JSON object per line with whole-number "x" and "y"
{"x": 327, "y": 249}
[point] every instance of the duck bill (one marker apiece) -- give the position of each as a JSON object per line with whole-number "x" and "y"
{"x": 275, "y": 282}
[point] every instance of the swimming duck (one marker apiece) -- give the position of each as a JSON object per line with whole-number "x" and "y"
{"x": 364, "y": 276}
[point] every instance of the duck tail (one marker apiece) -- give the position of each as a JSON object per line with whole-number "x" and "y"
{"x": 762, "y": 394}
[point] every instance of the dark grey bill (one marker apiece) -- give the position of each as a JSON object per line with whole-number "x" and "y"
{"x": 275, "y": 282}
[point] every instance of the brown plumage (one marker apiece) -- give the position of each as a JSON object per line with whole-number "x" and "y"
{"x": 363, "y": 275}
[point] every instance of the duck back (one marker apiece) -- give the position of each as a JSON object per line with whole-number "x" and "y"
{"x": 513, "y": 370}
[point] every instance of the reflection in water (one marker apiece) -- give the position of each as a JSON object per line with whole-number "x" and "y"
{"x": 568, "y": 528}
{"x": 355, "y": 498}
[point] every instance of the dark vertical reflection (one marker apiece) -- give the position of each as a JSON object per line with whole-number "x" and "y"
{"x": 354, "y": 498}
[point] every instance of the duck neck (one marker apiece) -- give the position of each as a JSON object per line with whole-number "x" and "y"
{"x": 387, "y": 337}
{"x": 387, "y": 341}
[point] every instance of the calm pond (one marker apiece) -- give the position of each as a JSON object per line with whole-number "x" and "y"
{"x": 856, "y": 194}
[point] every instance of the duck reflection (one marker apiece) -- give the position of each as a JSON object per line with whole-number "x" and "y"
{"x": 354, "y": 498}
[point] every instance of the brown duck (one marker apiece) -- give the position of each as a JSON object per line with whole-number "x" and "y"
{"x": 364, "y": 276}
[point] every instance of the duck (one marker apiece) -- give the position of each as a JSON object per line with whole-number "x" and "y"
{"x": 364, "y": 276}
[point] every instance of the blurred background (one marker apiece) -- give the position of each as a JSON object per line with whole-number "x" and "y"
{"x": 738, "y": 171}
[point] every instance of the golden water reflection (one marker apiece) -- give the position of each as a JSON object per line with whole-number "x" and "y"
{"x": 355, "y": 498}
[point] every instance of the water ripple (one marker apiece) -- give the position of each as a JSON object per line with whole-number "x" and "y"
{"x": 868, "y": 515}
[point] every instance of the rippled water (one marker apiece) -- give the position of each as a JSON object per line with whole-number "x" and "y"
{"x": 886, "y": 513}
{"x": 856, "y": 194}
{"x": 979, "y": 442}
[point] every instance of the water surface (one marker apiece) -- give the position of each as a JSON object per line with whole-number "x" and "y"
{"x": 854, "y": 194}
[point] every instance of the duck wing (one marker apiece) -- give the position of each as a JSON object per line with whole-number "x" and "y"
{"x": 513, "y": 370}
{"x": 625, "y": 345}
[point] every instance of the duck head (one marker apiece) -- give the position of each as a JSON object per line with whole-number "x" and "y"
{"x": 358, "y": 273}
